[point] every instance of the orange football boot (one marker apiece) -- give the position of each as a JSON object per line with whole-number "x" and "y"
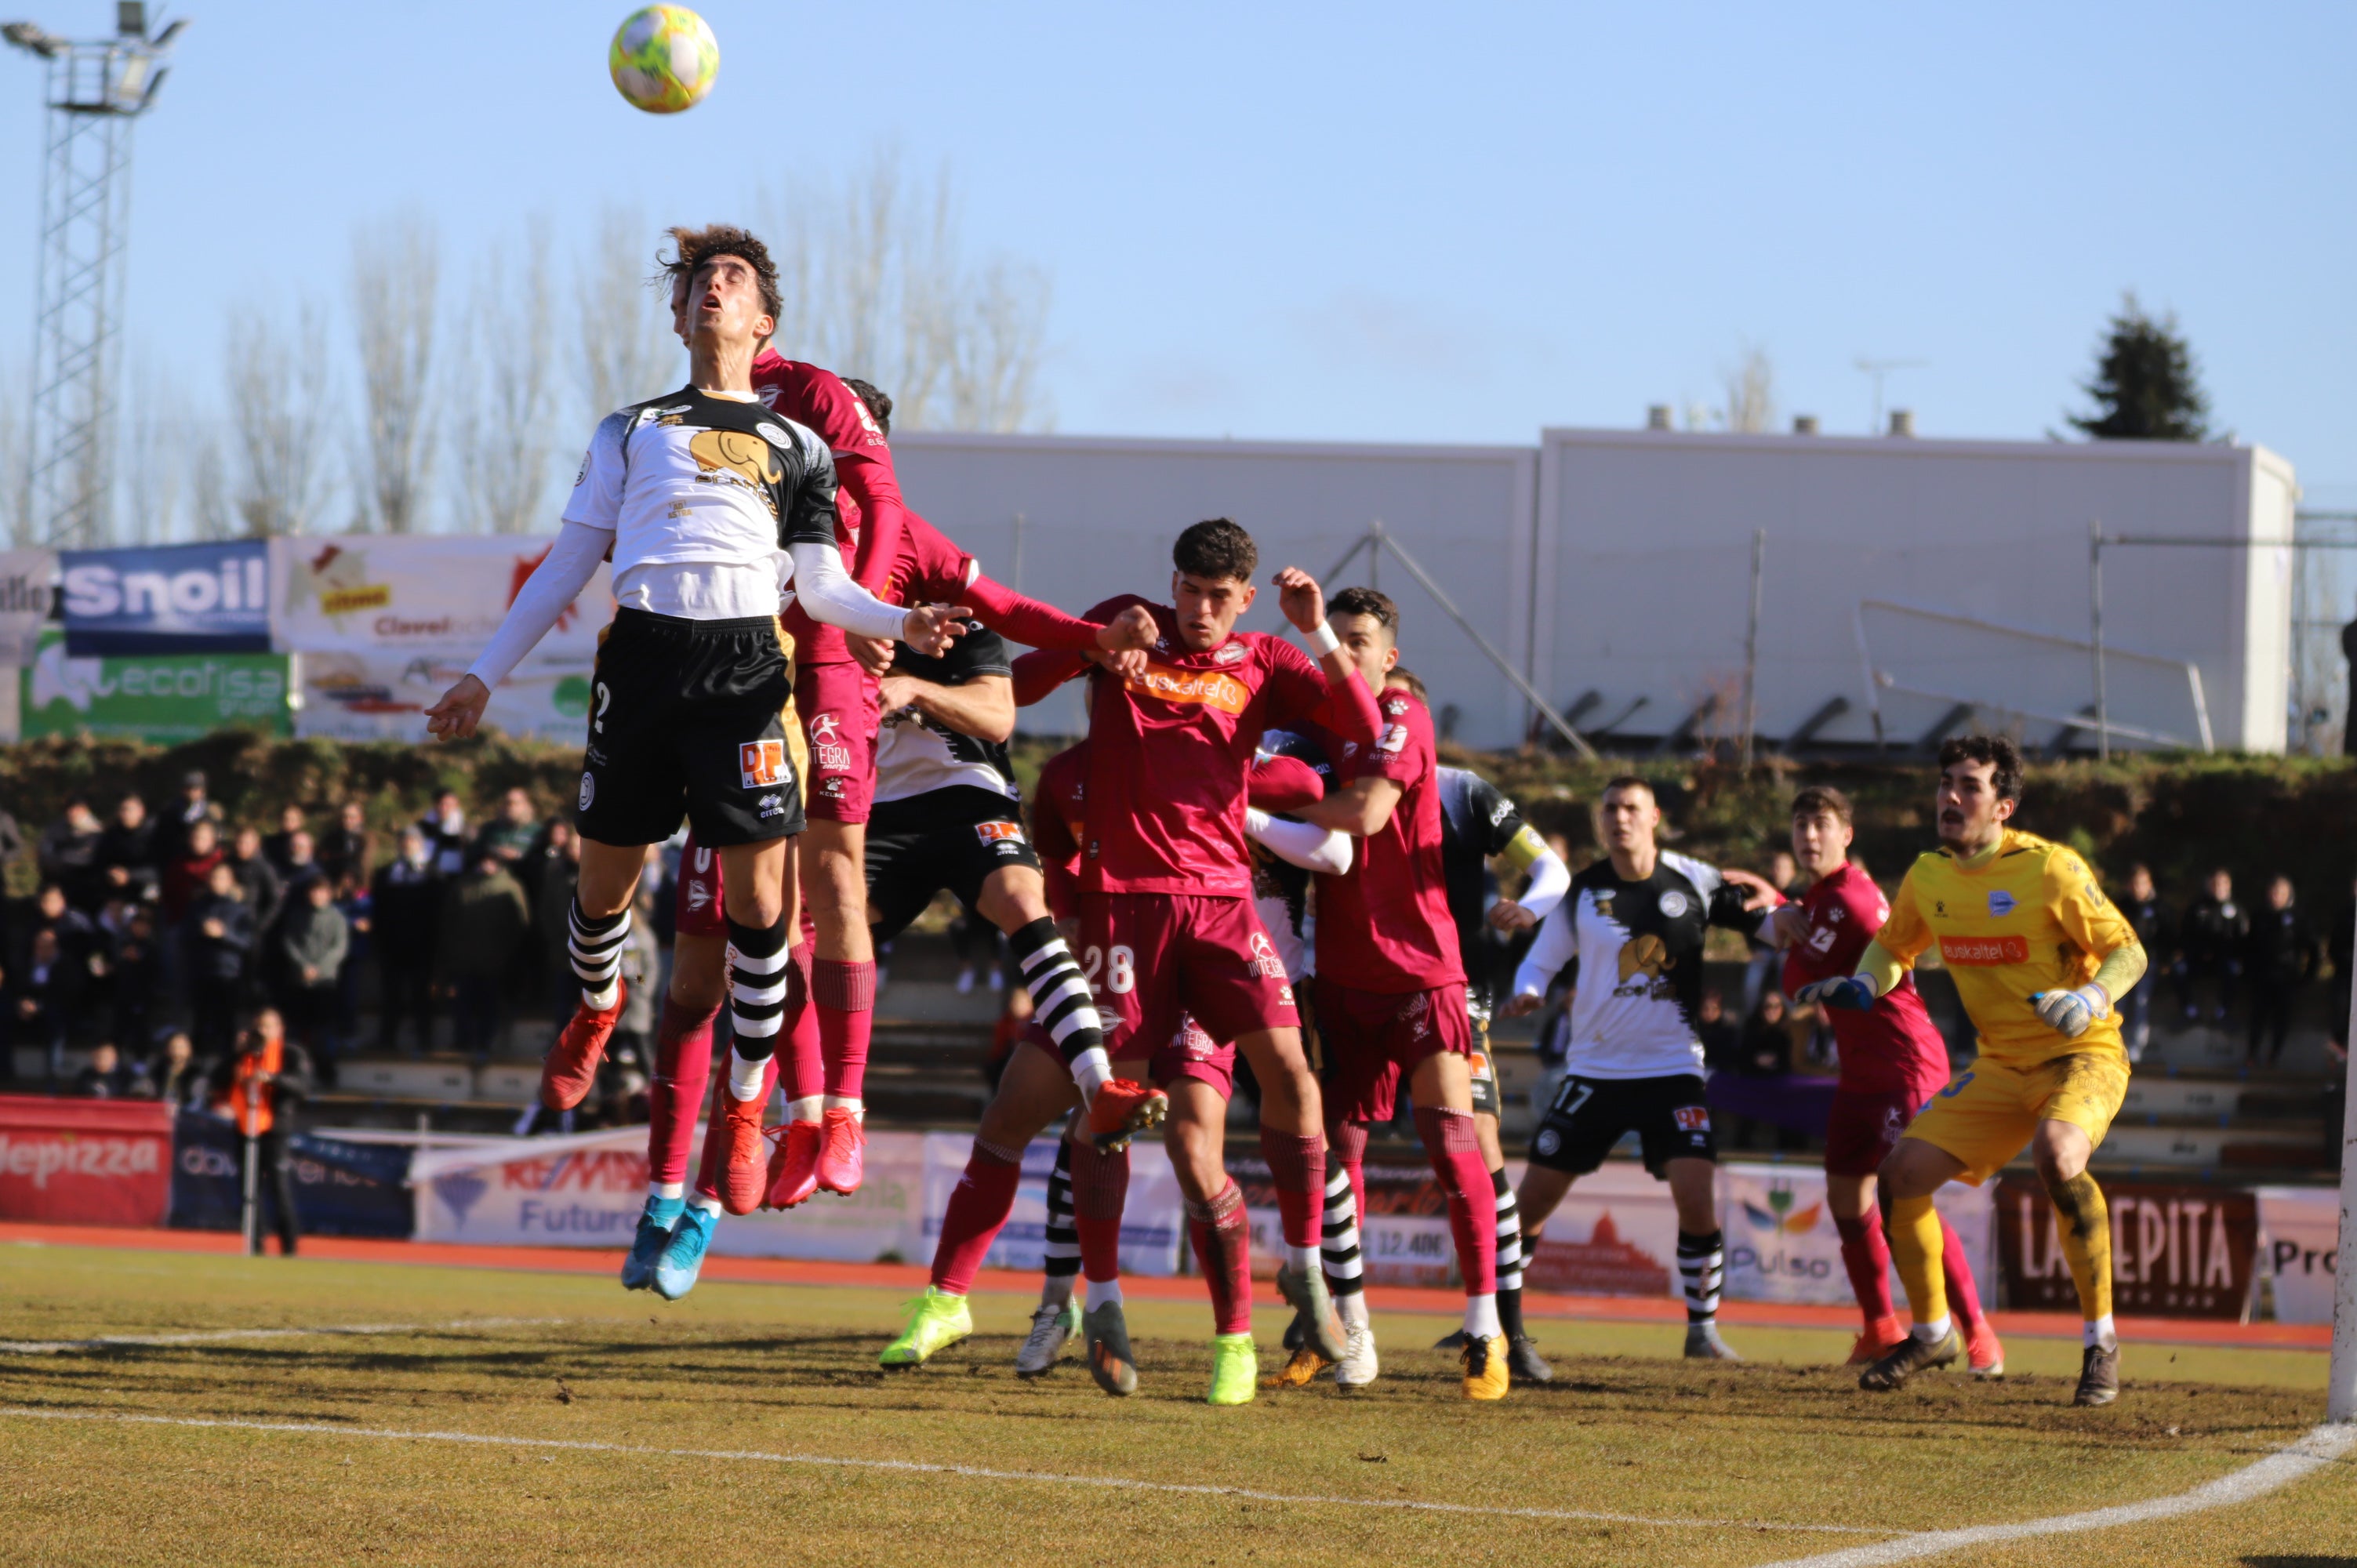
{"x": 570, "y": 1068}
{"x": 1121, "y": 1110}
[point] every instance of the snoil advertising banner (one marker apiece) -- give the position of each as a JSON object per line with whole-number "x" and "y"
{"x": 403, "y": 595}
{"x": 383, "y": 696}
{"x": 173, "y": 598}
{"x": 27, "y": 590}
{"x": 155, "y": 696}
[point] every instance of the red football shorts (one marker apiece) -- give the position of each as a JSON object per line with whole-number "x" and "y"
{"x": 1189, "y": 1054}
{"x": 1863, "y": 1128}
{"x": 1371, "y": 1039}
{"x": 1155, "y": 959}
{"x": 840, "y": 715}
{"x": 695, "y": 904}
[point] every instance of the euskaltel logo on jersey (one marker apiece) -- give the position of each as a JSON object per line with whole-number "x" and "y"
{"x": 1983, "y": 953}
{"x": 1209, "y": 687}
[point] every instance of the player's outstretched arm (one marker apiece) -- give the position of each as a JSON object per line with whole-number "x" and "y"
{"x": 982, "y": 707}
{"x": 1550, "y": 879}
{"x": 551, "y": 589}
{"x": 1304, "y": 844}
{"x": 1027, "y": 620}
{"x": 1879, "y": 971}
{"x": 1348, "y": 709}
{"x": 830, "y": 595}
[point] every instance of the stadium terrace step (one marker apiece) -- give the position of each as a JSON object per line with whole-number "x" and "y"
{"x": 2281, "y": 1148}
{"x": 508, "y": 1083}
{"x": 935, "y": 1003}
{"x": 441, "y": 1081}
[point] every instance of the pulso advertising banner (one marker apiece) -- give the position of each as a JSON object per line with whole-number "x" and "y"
{"x": 85, "y": 1162}
{"x": 155, "y": 697}
{"x": 172, "y": 598}
{"x": 2177, "y": 1252}
{"x": 1781, "y": 1244}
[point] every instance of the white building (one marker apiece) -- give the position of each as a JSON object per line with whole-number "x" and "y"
{"x": 1912, "y": 585}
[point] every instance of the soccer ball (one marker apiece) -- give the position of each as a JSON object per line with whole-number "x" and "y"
{"x": 664, "y": 59}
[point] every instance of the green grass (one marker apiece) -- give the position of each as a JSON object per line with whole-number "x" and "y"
{"x": 776, "y": 1370}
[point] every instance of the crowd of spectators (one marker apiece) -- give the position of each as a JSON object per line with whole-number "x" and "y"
{"x": 154, "y": 934}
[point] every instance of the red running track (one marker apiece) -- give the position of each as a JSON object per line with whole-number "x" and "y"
{"x": 911, "y": 1278}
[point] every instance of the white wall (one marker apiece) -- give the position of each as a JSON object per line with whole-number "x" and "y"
{"x": 1100, "y": 515}
{"x": 1644, "y": 555}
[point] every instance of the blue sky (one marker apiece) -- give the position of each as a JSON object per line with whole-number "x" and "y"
{"x": 1373, "y": 222}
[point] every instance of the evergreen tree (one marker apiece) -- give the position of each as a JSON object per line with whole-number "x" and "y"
{"x": 2146, "y": 385}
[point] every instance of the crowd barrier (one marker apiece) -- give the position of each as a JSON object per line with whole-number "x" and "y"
{"x": 2188, "y": 1251}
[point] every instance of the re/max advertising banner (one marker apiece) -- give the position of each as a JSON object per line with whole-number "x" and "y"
{"x": 172, "y": 598}
{"x": 160, "y": 697}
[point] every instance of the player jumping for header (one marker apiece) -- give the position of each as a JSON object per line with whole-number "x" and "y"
{"x": 2039, "y": 956}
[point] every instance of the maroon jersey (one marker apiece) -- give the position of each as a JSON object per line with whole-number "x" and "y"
{"x": 868, "y": 505}
{"x": 1891, "y": 1047}
{"x": 1384, "y": 924}
{"x": 1168, "y": 752}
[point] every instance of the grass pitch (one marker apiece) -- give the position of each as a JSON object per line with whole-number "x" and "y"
{"x": 743, "y": 1375}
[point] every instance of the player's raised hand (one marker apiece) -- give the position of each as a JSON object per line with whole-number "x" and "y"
{"x": 1850, "y": 992}
{"x": 930, "y": 628}
{"x": 1786, "y": 926}
{"x": 873, "y": 653}
{"x": 1758, "y": 892}
{"x": 1301, "y": 599}
{"x": 1123, "y": 641}
{"x": 459, "y": 711}
{"x": 1520, "y": 1006}
{"x": 2067, "y": 1013}
{"x": 1505, "y": 915}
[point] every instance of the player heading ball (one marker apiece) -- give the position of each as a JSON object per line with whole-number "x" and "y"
{"x": 716, "y": 512}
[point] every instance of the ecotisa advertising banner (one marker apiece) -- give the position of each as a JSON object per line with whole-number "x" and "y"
{"x": 173, "y": 598}
{"x": 160, "y": 697}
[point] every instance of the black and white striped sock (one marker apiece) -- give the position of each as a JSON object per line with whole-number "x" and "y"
{"x": 596, "y": 946}
{"x": 1061, "y": 1003}
{"x": 1338, "y": 1245}
{"x": 763, "y": 986}
{"x": 1509, "y": 1234}
{"x": 1701, "y": 1266}
{"x": 1063, "y": 1249}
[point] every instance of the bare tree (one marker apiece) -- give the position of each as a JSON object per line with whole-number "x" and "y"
{"x": 877, "y": 284}
{"x": 505, "y": 392}
{"x": 215, "y": 513}
{"x": 1749, "y": 387}
{"x": 627, "y": 349}
{"x": 396, "y": 291}
{"x": 152, "y": 470}
{"x": 282, "y": 415}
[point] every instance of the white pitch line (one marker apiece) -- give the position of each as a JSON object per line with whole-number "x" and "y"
{"x": 2322, "y": 1447}
{"x": 916, "y": 1467}
{"x": 210, "y": 1336}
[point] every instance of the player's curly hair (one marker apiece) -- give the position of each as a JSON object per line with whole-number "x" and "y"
{"x": 1997, "y": 750}
{"x": 694, "y": 247}
{"x": 879, "y": 401}
{"x": 1214, "y": 549}
{"x": 1370, "y": 602}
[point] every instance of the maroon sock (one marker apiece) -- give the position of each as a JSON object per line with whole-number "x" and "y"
{"x": 1099, "y": 1191}
{"x": 844, "y": 994}
{"x": 1222, "y": 1239}
{"x": 675, "y": 1091}
{"x": 978, "y": 1207}
{"x": 1297, "y": 1168}
{"x": 1464, "y": 1176}
{"x": 805, "y": 1062}
{"x": 707, "y": 1168}
{"x": 1866, "y": 1256}
{"x": 1963, "y": 1295}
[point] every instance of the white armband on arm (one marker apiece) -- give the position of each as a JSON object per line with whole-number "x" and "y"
{"x": 832, "y": 595}
{"x": 1300, "y": 844}
{"x": 551, "y": 589}
{"x": 1550, "y": 880}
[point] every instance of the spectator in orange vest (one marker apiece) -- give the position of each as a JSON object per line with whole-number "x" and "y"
{"x": 262, "y": 1081}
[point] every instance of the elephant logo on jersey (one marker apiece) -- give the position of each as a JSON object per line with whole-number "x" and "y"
{"x": 749, "y": 457}
{"x": 1646, "y": 956}
{"x": 1263, "y": 958}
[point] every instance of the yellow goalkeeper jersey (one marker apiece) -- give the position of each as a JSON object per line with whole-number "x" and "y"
{"x": 2030, "y": 919}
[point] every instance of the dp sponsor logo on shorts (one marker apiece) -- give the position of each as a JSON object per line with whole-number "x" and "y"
{"x": 1693, "y": 1118}
{"x": 762, "y": 764}
{"x": 1000, "y": 833}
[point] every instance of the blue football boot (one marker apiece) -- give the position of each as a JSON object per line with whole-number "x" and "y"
{"x": 655, "y": 1222}
{"x": 683, "y": 1255}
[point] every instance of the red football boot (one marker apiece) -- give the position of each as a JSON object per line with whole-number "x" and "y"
{"x": 793, "y": 1165}
{"x": 1121, "y": 1110}
{"x": 744, "y": 1174}
{"x": 1876, "y": 1342}
{"x": 570, "y": 1068}
{"x": 841, "y": 1160}
{"x": 1985, "y": 1352}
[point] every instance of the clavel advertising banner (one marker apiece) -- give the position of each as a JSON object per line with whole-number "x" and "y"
{"x": 174, "y": 598}
{"x": 399, "y": 595}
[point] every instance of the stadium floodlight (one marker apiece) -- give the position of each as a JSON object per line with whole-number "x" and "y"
{"x": 95, "y": 90}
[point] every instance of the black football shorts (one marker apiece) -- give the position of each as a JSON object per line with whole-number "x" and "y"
{"x": 952, "y": 838}
{"x": 1669, "y": 1115}
{"x": 693, "y": 718}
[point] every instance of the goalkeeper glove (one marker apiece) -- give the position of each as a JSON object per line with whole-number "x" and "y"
{"x": 2067, "y": 1013}
{"x": 1851, "y": 993}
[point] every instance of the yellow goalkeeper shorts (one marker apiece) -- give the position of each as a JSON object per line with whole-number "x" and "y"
{"x": 1989, "y": 1115}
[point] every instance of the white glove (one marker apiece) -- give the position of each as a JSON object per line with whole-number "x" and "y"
{"x": 2067, "y": 1013}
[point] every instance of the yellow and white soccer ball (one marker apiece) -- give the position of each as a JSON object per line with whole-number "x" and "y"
{"x": 664, "y": 59}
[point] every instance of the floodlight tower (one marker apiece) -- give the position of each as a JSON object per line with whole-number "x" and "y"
{"x": 96, "y": 89}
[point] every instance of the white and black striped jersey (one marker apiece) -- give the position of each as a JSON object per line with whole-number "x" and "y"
{"x": 1639, "y": 945}
{"x": 705, "y": 495}
{"x": 1280, "y": 888}
{"x": 915, "y": 755}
